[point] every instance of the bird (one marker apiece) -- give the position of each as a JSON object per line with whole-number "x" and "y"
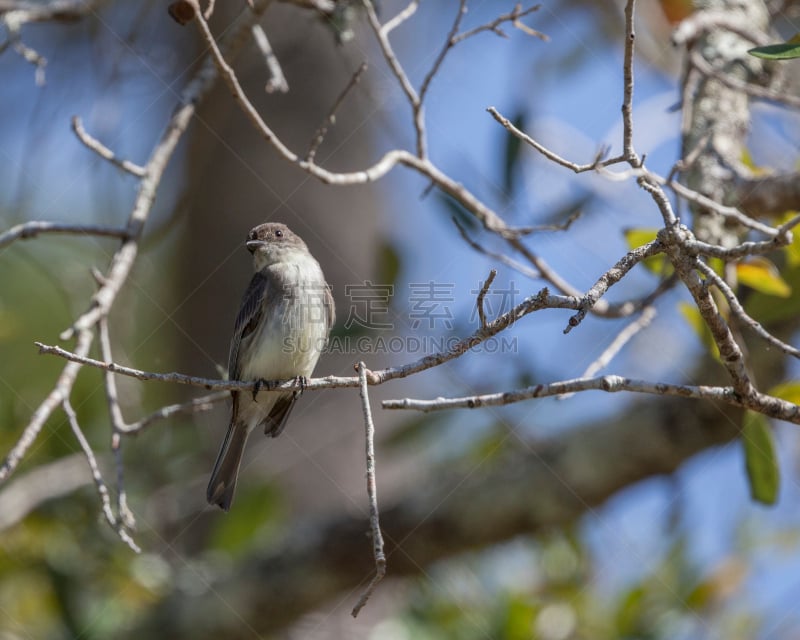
{"x": 282, "y": 328}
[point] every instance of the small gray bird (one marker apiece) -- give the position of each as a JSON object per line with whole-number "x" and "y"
{"x": 281, "y": 330}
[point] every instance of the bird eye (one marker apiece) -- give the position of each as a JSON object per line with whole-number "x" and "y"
{"x": 278, "y": 233}
{"x": 252, "y": 235}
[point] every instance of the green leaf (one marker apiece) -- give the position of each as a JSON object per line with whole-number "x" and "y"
{"x": 760, "y": 274}
{"x": 782, "y": 51}
{"x": 760, "y": 458}
{"x": 789, "y": 391}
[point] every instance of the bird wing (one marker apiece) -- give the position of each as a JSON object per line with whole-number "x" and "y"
{"x": 330, "y": 308}
{"x": 247, "y": 320}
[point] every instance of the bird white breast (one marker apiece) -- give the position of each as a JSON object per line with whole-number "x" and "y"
{"x": 290, "y": 337}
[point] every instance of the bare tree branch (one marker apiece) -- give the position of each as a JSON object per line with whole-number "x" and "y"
{"x": 104, "y": 152}
{"x": 102, "y": 490}
{"x": 374, "y": 515}
{"x": 34, "y": 228}
{"x": 768, "y": 405}
{"x": 277, "y": 81}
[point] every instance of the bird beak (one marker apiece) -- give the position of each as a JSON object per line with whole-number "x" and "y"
{"x": 252, "y": 245}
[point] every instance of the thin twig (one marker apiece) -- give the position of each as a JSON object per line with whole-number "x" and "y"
{"x": 738, "y": 310}
{"x": 513, "y": 17}
{"x": 449, "y": 43}
{"x": 374, "y": 515}
{"x": 61, "y": 390}
{"x": 627, "y": 100}
{"x": 103, "y": 151}
{"x": 388, "y": 53}
{"x": 509, "y": 262}
{"x": 673, "y": 238}
{"x": 196, "y": 405}
{"x": 330, "y": 119}
{"x": 611, "y": 277}
{"x": 102, "y": 489}
{"x": 29, "y": 54}
{"x": 482, "y": 294}
{"x": 401, "y": 17}
{"x": 550, "y": 155}
{"x": 414, "y": 98}
{"x": 118, "y": 426}
{"x": 768, "y": 405}
{"x": 28, "y": 230}
{"x": 277, "y": 81}
{"x": 617, "y": 344}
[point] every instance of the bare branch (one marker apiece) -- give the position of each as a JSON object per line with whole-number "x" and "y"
{"x": 401, "y": 17}
{"x": 623, "y": 338}
{"x": 550, "y": 155}
{"x": 330, "y": 119}
{"x": 374, "y": 515}
{"x": 60, "y": 391}
{"x": 509, "y": 262}
{"x": 196, "y": 405}
{"x": 482, "y": 294}
{"x": 513, "y": 17}
{"x": 611, "y": 277}
{"x": 52, "y": 10}
{"x": 448, "y": 44}
{"x": 738, "y": 310}
{"x": 741, "y": 250}
{"x": 29, "y": 54}
{"x": 768, "y": 405}
{"x": 673, "y": 238}
{"x": 277, "y": 81}
{"x": 414, "y": 99}
{"x": 628, "y": 151}
{"x": 28, "y": 230}
{"x": 118, "y": 426}
{"x": 382, "y": 34}
{"x": 104, "y": 152}
{"x": 724, "y": 210}
{"x": 102, "y": 489}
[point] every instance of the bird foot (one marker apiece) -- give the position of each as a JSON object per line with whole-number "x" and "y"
{"x": 257, "y": 387}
